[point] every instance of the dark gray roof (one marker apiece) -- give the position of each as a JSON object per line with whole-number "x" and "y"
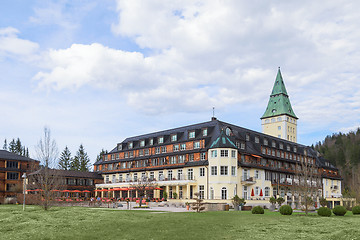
{"x": 69, "y": 173}
{"x": 6, "y": 155}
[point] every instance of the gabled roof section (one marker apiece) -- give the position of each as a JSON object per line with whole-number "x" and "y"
{"x": 223, "y": 141}
{"x": 279, "y": 103}
{"x": 6, "y": 155}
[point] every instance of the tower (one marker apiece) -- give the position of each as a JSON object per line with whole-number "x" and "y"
{"x": 279, "y": 119}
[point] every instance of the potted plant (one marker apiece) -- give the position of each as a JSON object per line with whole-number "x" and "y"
{"x": 187, "y": 206}
{"x": 165, "y": 196}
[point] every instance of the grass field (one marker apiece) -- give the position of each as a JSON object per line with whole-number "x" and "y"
{"x": 85, "y": 223}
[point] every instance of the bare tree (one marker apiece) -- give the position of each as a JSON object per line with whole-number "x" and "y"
{"x": 307, "y": 183}
{"x": 143, "y": 185}
{"x": 46, "y": 179}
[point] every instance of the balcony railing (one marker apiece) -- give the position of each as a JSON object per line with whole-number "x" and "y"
{"x": 161, "y": 178}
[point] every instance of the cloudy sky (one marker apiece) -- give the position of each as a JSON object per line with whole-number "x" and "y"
{"x": 96, "y": 72}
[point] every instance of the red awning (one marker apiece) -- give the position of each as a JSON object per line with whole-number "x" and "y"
{"x": 255, "y": 156}
{"x": 261, "y": 194}
{"x": 101, "y": 190}
{"x": 157, "y": 188}
{"x": 55, "y": 190}
{"x": 252, "y": 192}
{"x": 76, "y": 191}
{"x": 30, "y": 190}
{"x": 65, "y": 191}
{"x": 86, "y": 191}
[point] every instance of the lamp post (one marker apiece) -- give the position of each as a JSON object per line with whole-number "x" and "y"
{"x": 24, "y": 177}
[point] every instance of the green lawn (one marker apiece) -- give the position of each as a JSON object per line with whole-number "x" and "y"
{"x": 85, "y": 223}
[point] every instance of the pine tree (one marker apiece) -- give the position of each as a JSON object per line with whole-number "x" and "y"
{"x": 12, "y": 146}
{"x": 18, "y": 147}
{"x": 65, "y": 159}
{"x": 101, "y": 154}
{"x": 27, "y": 152}
{"x": 5, "y": 145}
{"x": 81, "y": 160}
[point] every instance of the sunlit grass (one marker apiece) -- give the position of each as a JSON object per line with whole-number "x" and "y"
{"x": 85, "y": 223}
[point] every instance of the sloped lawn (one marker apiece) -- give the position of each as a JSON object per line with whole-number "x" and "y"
{"x": 85, "y": 223}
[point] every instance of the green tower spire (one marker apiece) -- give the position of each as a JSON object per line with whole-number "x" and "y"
{"x": 279, "y": 103}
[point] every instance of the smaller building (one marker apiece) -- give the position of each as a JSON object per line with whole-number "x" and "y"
{"x": 12, "y": 168}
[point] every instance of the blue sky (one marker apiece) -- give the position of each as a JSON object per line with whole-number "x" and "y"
{"x": 96, "y": 72}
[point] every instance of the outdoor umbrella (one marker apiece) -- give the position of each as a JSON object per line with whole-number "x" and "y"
{"x": 86, "y": 191}
{"x": 252, "y": 192}
{"x": 76, "y": 191}
{"x": 261, "y": 194}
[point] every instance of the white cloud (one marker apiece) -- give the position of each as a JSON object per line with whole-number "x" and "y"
{"x": 11, "y": 44}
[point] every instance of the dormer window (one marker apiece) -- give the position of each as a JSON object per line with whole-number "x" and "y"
{"x": 142, "y": 143}
{"x": 288, "y": 147}
{"x": 273, "y": 144}
{"x": 281, "y": 146}
{"x": 119, "y": 147}
{"x": 191, "y": 134}
{"x": 265, "y": 142}
{"x": 204, "y": 132}
{"x": 174, "y": 138}
{"x": 247, "y": 137}
{"x": 160, "y": 140}
{"x": 228, "y": 131}
{"x": 130, "y": 145}
{"x": 257, "y": 139}
{"x": 151, "y": 141}
{"x": 295, "y": 149}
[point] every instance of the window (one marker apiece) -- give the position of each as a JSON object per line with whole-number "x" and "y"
{"x": 279, "y": 119}
{"x": 130, "y": 145}
{"x": 196, "y": 145}
{"x": 119, "y": 147}
{"x": 223, "y": 170}
{"x": 267, "y": 175}
{"x": 203, "y": 156}
{"x": 71, "y": 181}
{"x": 202, "y": 172}
{"x": 135, "y": 177}
{"x": 151, "y": 141}
{"x": 174, "y": 138}
{"x": 180, "y": 192}
{"x": 154, "y": 162}
{"x": 180, "y": 174}
{"x": 163, "y": 149}
{"x": 192, "y": 134}
{"x": 146, "y": 152}
{"x": 224, "y": 153}
{"x": 213, "y": 153}
{"x": 142, "y": 143}
{"x": 256, "y": 139}
{"x": 242, "y": 146}
{"x": 112, "y": 156}
{"x": 120, "y": 178}
{"x": 257, "y": 174}
{"x": 288, "y": 147}
{"x": 295, "y": 149}
{"x": 11, "y": 164}
{"x": 204, "y": 132}
{"x": 126, "y": 155}
{"x": 223, "y": 193}
{"x": 228, "y": 131}
{"x": 233, "y": 170}
{"x": 131, "y": 154}
{"x": 233, "y": 153}
{"x": 12, "y": 176}
{"x": 141, "y": 152}
{"x": 113, "y": 179}
{"x": 263, "y": 150}
{"x": 176, "y": 148}
{"x": 117, "y": 156}
{"x": 160, "y": 140}
{"x": 257, "y": 191}
{"x": 211, "y": 193}
{"x": 190, "y": 174}
{"x": 157, "y": 150}
{"x": 275, "y": 192}
{"x": 265, "y": 142}
{"x": 170, "y": 174}
{"x": 191, "y": 157}
{"x": 128, "y": 178}
{"x": 247, "y": 137}
{"x": 163, "y": 161}
{"x": 273, "y": 144}
{"x": 201, "y": 191}
{"x": 161, "y": 175}
{"x": 213, "y": 170}
{"x": 181, "y": 158}
{"x": 281, "y": 146}
{"x": 183, "y": 146}
{"x": 279, "y": 128}
{"x": 173, "y": 160}
{"x": 152, "y": 175}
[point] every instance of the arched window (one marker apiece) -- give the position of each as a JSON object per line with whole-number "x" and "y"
{"x": 224, "y": 193}
{"x": 228, "y": 131}
{"x": 211, "y": 193}
{"x": 267, "y": 191}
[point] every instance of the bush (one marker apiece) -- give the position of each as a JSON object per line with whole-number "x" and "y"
{"x": 324, "y": 212}
{"x": 286, "y": 210}
{"x": 339, "y": 210}
{"x": 257, "y": 210}
{"x": 280, "y": 201}
{"x": 356, "y": 210}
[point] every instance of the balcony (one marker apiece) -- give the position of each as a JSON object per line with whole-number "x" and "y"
{"x": 246, "y": 180}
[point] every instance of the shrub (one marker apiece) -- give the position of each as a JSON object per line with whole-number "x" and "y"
{"x": 339, "y": 210}
{"x": 356, "y": 210}
{"x": 324, "y": 212}
{"x": 286, "y": 210}
{"x": 280, "y": 201}
{"x": 257, "y": 210}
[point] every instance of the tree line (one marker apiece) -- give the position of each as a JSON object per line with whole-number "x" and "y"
{"x": 343, "y": 151}
{"x": 15, "y": 146}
